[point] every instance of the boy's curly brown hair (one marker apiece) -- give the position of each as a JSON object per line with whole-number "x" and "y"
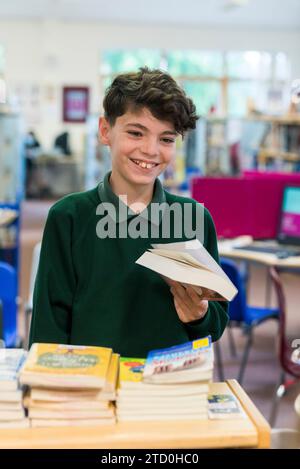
{"x": 155, "y": 90}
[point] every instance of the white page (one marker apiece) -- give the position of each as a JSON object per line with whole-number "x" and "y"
{"x": 195, "y": 249}
{"x": 187, "y": 274}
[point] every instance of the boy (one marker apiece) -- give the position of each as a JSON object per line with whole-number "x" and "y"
{"x": 89, "y": 290}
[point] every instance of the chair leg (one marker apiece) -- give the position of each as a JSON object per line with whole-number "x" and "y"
{"x": 280, "y": 391}
{"x": 231, "y": 342}
{"x": 219, "y": 361}
{"x": 245, "y": 356}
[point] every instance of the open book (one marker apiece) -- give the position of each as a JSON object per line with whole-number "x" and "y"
{"x": 189, "y": 263}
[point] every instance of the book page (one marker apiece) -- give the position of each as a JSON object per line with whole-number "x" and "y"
{"x": 179, "y": 256}
{"x": 197, "y": 251}
{"x": 190, "y": 275}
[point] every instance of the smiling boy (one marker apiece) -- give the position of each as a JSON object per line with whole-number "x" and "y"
{"x": 89, "y": 290}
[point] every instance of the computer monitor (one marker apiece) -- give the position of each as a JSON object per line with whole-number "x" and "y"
{"x": 289, "y": 224}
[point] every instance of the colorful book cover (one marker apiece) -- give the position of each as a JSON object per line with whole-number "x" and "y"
{"x": 131, "y": 369}
{"x": 68, "y": 360}
{"x": 179, "y": 357}
{"x": 224, "y": 406}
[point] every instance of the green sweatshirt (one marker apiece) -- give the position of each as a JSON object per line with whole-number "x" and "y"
{"x": 89, "y": 291}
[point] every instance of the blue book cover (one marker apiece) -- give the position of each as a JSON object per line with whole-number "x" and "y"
{"x": 180, "y": 357}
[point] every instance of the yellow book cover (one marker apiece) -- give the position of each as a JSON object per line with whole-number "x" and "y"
{"x": 58, "y": 364}
{"x": 112, "y": 374}
{"x": 68, "y": 359}
{"x": 131, "y": 370}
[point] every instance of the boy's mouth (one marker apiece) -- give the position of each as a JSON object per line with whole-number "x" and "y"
{"x": 144, "y": 165}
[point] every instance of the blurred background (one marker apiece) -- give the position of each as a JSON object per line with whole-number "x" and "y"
{"x": 239, "y": 60}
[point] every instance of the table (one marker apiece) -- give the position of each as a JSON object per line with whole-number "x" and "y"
{"x": 227, "y": 249}
{"x": 250, "y": 432}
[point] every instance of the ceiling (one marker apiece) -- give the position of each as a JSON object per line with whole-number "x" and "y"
{"x": 254, "y": 13}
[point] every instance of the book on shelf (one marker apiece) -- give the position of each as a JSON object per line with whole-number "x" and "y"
{"x": 189, "y": 263}
{"x": 66, "y": 366}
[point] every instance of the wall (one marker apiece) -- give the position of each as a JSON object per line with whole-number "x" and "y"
{"x": 52, "y": 54}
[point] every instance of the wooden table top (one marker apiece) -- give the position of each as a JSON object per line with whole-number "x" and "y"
{"x": 251, "y": 431}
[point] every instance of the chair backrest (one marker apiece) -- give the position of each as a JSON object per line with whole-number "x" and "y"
{"x": 237, "y": 307}
{"x": 8, "y": 296}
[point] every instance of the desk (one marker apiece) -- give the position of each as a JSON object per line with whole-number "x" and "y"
{"x": 226, "y": 249}
{"x": 250, "y": 432}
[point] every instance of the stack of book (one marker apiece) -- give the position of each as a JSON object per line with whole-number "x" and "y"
{"x": 171, "y": 384}
{"x": 70, "y": 385}
{"x": 12, "y": 414}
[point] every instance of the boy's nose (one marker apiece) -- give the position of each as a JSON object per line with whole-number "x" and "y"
{"x": 150, "y": 147}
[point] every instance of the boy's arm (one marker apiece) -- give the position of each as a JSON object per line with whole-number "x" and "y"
{"x": 55, "y": 282}
{"x": 216, "y": 318}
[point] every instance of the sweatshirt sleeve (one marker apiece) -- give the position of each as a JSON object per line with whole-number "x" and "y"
{"x": 216, "y": 318}
{"x": 55, "y": 281}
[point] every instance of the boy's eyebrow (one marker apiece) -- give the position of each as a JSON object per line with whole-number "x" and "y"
{"x": 142, "y": 127}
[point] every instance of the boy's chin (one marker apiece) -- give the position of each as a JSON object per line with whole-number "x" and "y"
{"x": 143, "y": 179}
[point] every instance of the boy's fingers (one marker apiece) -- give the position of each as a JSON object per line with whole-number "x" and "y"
{"x": 194, "y": 296}
{"x": 179, "y": 309}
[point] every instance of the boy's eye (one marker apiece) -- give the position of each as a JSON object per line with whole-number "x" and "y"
{"x": 135, "y": 133}
{"x": 168, "y": 140}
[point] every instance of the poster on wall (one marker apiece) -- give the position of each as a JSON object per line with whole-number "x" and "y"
{"x": 75, "y": 103}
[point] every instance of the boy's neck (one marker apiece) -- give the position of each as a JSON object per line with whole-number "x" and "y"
{"x": 138, "y": 194}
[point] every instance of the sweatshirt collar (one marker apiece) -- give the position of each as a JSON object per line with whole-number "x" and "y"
{"x": 123, "y": 212}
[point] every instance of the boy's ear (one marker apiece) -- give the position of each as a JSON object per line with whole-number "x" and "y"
{"x": 104, "y": 131}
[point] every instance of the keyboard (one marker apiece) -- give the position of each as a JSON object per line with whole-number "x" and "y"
{"x": 280, "y": 251}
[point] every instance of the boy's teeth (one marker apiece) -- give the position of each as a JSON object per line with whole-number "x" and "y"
{"x": 144, "y": 165}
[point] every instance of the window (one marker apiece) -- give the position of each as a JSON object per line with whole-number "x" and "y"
{"x": 195, "y": 63}
{"x": 224, "y": 81}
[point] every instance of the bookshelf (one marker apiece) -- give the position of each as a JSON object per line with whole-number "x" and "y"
{"x": 280, "y": 146}
{"x": 217, "y": 146}
{"x": 11, "y": 185}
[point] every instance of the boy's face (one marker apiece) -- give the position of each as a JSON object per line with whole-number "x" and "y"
{"x": 141, "y": 146}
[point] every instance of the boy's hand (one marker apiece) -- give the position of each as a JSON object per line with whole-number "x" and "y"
{"x": 188, "y": 303}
